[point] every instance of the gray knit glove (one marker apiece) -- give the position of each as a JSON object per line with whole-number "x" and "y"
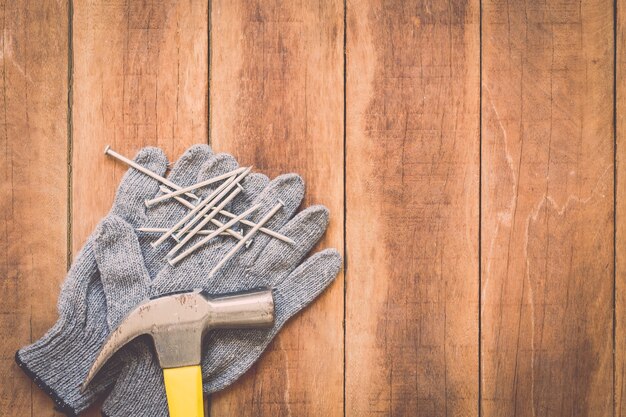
{"x": 268, "y": 262}
{"x": 59, "y": 361}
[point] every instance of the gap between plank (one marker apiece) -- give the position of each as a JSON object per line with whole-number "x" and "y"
{"x": 614, "y": 202}
{"x": 70, "y": 115}
{"x": 345, "y": 205}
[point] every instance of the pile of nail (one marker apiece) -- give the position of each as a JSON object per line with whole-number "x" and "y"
{"x": 204, "y": 212}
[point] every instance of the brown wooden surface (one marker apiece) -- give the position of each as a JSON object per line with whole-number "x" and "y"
{"x": 620, "y": 213}
{"x": 412, "y": 150}
{"x": 480, "y": 218}
{"x": 34, "y": 187}
{"x": 276, "y": 97}
{"x": 547, "y": 209}
{"x": 140, "y": 78}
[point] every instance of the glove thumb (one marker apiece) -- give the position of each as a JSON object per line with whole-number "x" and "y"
{"x": 123, "y": 273}
{"x": 305, "y": 283}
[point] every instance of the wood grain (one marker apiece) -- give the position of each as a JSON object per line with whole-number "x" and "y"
{"x": 140, "y": 78}
{"x": 33, "y": 190}
{"x": 620, "y": 214}
{"x": 547, "y": 209}
{"x": 276, "y": 98}
{"x": 412, "y": 185}
{"x": 137, "y": 73}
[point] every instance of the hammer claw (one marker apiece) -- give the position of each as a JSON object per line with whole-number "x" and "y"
{"x": 130, "y": 328}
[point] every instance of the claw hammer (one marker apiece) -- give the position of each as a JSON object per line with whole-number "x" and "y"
{"x": 177, "y": 322}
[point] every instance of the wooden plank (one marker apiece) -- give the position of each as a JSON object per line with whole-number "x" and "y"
{"x": 620, "y": 215}
{"x": 140, "y": 78}
{"x": 412, "y": 200}
{"x": 277, "y": 102}
{"x": 33, "y": 190}
{"x": 547, "y": 208}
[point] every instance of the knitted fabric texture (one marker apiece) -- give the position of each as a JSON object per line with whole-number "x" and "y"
{"x": 268, "y": 262}
{"x": 59, "y": 361}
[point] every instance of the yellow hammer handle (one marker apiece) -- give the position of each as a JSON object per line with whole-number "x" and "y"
{"x": 183, "y": 387}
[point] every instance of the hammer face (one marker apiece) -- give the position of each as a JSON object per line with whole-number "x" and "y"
{"x": 245, "y": 309}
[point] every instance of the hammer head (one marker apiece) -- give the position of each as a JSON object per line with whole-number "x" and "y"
{"x": 178, "y": 321}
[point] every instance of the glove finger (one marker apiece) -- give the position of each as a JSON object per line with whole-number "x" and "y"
{"x": 280, "y": 258}
{"x": 167, "y": 213}
{"x": 232, "y": 352}
{"x": 229, "y": 353}
{"x": 287, "y": 188}
{"x": 186, "y": 169}
{"x": 136, "y": 186}
{"x": 124, "y": 276}
{"x": 305, "y": 283}
{"x": 252, "y": 185}
{"x": 218, "y": 164}
{"x": 215, "y": 166}
{"x": 184, "y": 173}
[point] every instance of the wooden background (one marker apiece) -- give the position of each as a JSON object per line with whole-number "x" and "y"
{"x": 472, "y": 154}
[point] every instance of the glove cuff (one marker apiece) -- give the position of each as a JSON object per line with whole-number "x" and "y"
{"x": 59, "y": 403}
{"x": 58, "y": 363}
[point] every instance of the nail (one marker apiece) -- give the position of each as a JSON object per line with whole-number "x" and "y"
{"x": 194, "y": 186}
{"x": 216, "y": 232}
{"x": 151, "y": 174}
{"x": 204, "y": 221}
{"x": 200, "y": 233}
{"x": 248, "y": 242}
{"x": 248, "y": 236}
